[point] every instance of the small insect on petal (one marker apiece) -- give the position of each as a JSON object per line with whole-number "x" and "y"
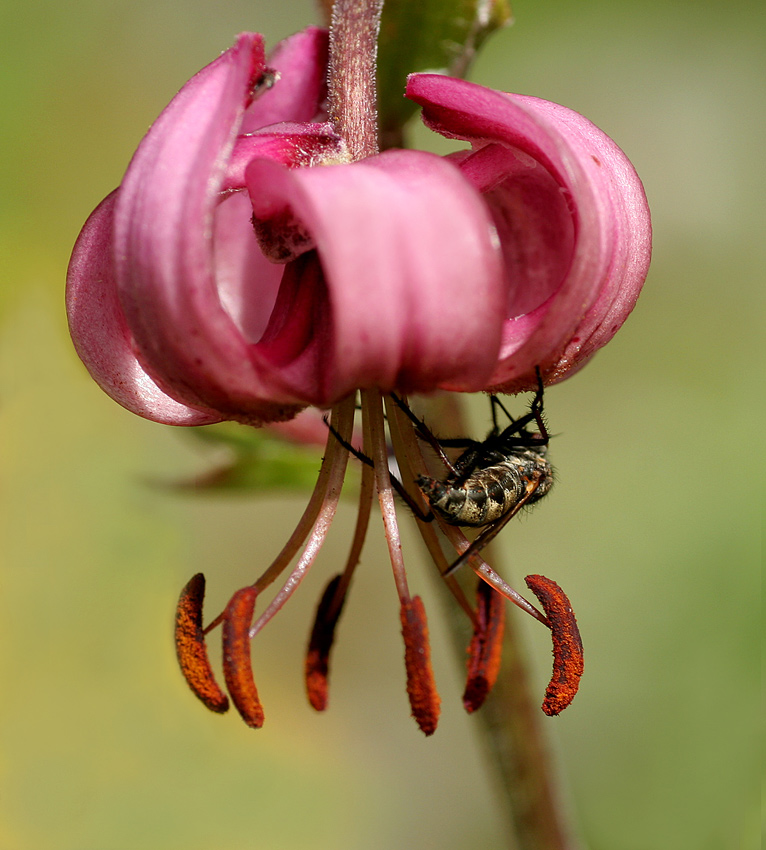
{"x": 237, "y": 667}
{"x": 421, "y": 688}
{"x": 191, "y": 649}
{"x": 485, "y": 649}
{"x": 567, "y": 645}
{"x": 320, "y": 644}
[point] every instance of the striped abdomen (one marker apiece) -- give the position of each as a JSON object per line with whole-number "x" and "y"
{"x": 488, "y": 493}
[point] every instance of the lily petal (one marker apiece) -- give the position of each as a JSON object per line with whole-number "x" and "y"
{"x": 165, "y": 224}
{"x": 411, "y": 269}
{"x": 571, "y": 215}
{"x": 101, "y": 335}
{"x": 291, "y": 144}
{"x": 300, "y": 64}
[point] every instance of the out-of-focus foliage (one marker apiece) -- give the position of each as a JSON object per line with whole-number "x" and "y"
{"x": 431, "y": 35}
{"x": 251, "y": 459}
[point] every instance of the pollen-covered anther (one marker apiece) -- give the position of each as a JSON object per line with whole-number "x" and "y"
{"x": 237, "y": 666}
{"x": 567, "y": 645}
{"x": 484, "y": 651}
{"x": 421, "y": 687}
{"x": 320, "y": 644}
{"x": 191, "y": 649}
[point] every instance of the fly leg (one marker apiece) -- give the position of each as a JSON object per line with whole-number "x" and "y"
{"x": 423, "y": 516}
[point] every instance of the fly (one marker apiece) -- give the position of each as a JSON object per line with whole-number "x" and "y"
{"x": 490, "y": 482}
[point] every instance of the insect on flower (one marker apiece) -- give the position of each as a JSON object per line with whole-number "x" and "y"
{"x": 490, "y": 482}
{"x": 262, "y": 255}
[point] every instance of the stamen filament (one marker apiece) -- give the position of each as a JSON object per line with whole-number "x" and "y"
{"x": 317, "y": 666}
{"x": 376, "y": 448}
{"x": 336, "y": 460}
{"x": 366, "y": 495}
{"x": 485, "y": 572}
{"x": 309, "y": 517}
{"x": 328, "y": 476}
{"x": 408, "y": 449}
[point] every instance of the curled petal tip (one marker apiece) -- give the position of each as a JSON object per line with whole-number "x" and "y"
{"x": 571, "y": 217}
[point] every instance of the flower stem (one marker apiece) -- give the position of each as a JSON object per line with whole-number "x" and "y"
{"x": 515, "y": 743}
{"x": 352, "y": 74}
{"x": 511, "y": 729}
{"x": 516, "y": 752}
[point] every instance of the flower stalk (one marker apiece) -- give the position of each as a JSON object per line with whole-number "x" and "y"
{"x": 509, "y": 725}
{"x": 352, "y": 90}
{"x": 517, "y": 752}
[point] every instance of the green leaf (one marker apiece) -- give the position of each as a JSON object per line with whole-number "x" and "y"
{"x": 428, "y": 35}
{"x": 252, "y": 459}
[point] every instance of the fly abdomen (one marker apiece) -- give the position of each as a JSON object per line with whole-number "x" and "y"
{"x": 479, "y": 500}
{"x": 489, "y": 493}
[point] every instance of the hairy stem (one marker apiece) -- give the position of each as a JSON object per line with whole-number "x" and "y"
{"x": 352, "y": 74}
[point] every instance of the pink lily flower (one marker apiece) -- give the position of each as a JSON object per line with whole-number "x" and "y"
{"x": 405, "y": 271}
{"x": 246, "y": 268}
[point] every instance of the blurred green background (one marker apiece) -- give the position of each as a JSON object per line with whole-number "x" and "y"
{"x": 652, "y": 528}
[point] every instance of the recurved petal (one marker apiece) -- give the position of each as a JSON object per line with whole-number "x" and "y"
{"x": 164, "y": 245}
{"x": 100, "y": 332}
{"x": 571, "y": 216}
{"x": 408, "y": 269}
{"x": 621, "y": 196}
{"x": 294, "y": 145}
{"x": 300, "y": 88}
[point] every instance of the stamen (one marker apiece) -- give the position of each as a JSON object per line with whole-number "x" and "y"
{"x": 486, "y": 573}
{"x": 485, "y": 650}
{"x": 191, "y": 649}
{"x": 237, "y": 666}
{"x": 421, "y": 688}
{"x": 375, "y": 447}
{"x": 567, "y": 644}
{"x": 409, "y": 454}
{"x": 336, "y": 459}
{"x": 331, "y": 458}
{"x": 331, "y": 604}
{"x": 320, "y": 643}
{"x": 366, "y": 495}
